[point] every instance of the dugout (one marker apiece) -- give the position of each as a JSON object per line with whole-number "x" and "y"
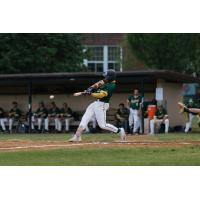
{"x": 29, "y": 89}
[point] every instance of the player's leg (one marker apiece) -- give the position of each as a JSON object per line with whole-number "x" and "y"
{"x": 46, "y": 124}
{"x": 130, "y": 120}
{"x": 59, "y": 125}
{"x": 3, "y": 120}
{"x": 56, "y": 123}
{"x": 32, "y": 123}
{"x": 100, "y": 115}
{"x": 39, "y": 120}
{"x": 136, "y": 121}
{"x": 89, "y": 113}
{"x": 152, "y": 126}
{"x": 166, "y": 121}
{"x": 10, "y": 123}
{"x": 189, "y": 123}
{"x": 67, "y": 123}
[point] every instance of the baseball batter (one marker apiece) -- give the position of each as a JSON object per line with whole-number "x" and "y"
{"x": 102, "y": 91}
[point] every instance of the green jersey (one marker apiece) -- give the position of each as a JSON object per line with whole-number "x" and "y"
{"x": 160, "y": 113}
{"x": 54, "y": 111}
{"x": 135, "y": 102}
{"x": 109, "y": 88}
{"x": 41, "y": 112}
{"x": 66, "y": 112}
{"x": 15, "y": 113}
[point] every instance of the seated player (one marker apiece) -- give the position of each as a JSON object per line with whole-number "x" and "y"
{"x": 2, "y": 119}
{"x": 122, "y": 116}
{"x": 14, "y": 115}
{"x": 66, "y": 115}
{"x": 190, "y": 104}
{"x": 41, "y": 115}
{"x": 160, "y": 117}
{"x": 54, "y": 114}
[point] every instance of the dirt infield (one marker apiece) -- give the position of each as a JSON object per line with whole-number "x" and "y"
{"x": 18, "y": 145}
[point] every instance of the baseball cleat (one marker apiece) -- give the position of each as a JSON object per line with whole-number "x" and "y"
{"x": 122, "y": 135}
{"x": 75, "y": 138}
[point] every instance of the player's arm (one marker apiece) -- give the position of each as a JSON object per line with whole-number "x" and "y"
{"x": 100, "y": 94}
{"x": 98, "y": 84}
{"x": 95, "y": 86}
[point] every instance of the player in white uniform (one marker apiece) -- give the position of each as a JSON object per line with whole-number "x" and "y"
{"x": 103, "y": 91}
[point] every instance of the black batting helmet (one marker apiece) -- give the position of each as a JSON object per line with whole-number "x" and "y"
{"x": 110, "y": 75}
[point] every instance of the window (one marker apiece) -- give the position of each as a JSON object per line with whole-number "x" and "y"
{"x": 114, "y": 57}
{"x": 95, "y": 53}
{"x": 113, "y": 53}
{"x": 101, "y": 58}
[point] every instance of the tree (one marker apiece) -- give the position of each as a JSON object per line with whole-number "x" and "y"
{"x": 30, "y": 53}
{"x": 177, "y": 52}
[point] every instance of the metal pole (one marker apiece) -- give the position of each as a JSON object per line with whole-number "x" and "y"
{"x": 142, "y": 93}
{"x": 30, "y": 104}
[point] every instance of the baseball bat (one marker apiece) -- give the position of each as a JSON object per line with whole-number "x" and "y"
{"x": 78, "y": 94}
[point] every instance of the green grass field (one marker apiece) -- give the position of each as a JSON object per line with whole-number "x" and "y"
{"x": 123, "y": 155}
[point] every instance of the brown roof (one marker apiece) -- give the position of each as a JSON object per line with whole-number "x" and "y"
{"x": 103, "y": 38}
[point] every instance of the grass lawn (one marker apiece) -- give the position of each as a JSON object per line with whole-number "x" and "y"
{"x": 103, "y": 156}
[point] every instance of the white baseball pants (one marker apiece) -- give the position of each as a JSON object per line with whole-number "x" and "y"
{"x": 158, "y": 122}
{"x": 3, "y": 121}
{"x": 67, "y": 122}
{"x": 58, "y": 124}
{"x": 10, "y": 123}
{"x": 97, "y": 110}
{"x": 136, "y": 119}
{"x": 188, "y": 125}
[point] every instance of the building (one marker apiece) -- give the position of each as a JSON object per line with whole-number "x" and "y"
{"x": 104, "y": 51}
{"x": 110, "y": 51}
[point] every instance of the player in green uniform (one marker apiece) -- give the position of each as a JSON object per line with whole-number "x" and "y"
{"x": 160, "y": 117}
{"x": 54, "y": 114}
{"x": 98, "y": 108}
{"x": 14, "y": 115}
{"x": 66, "y": 115}
{"x": 134, "y": 103}
{"x": 41, "y": 115}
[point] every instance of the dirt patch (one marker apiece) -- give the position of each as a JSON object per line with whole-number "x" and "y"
{"x": 19, "y": 145}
